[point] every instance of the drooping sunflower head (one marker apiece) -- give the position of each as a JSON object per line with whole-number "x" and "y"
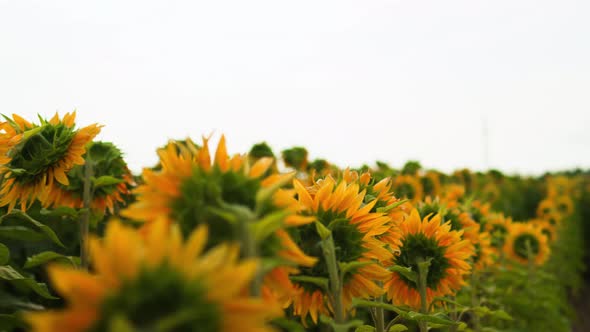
{"x": 157, "y": 280}
{"x": 354, "y": 228}
{"x": 111, "y": 182}
{"x": 35, "y": 156}
{"x": 408, "y": 186}
{"x": 428, "y": 239}
{"x": 546, "y": 208}
{"x": 524, "y": 242}
{"x": 564, "y": 205}
{"x": 226, "y": 193}
{"x": 547, "y": 229}
{"x": 498, "y": 227}
{"x": 431, "y": 184}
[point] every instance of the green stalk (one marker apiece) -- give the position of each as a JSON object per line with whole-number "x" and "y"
{"x": 329, "y": 251}
{"x": 422, "y": 286}
{"x": 475, "y": 301}
{"x": 379, "y": 316}
{"x": 250, "y": 250}
{"x": 85, "y": 220}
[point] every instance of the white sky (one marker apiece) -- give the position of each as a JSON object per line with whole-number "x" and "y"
{"x": 353, "y": 81}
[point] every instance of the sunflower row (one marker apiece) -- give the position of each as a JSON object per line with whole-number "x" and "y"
{"x": 210, "y": 241}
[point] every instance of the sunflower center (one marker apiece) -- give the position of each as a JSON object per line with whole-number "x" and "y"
{"x": 347, "y": 241}
{"x": 416, "y": 248}
{"x": 498, "y": 235}
{"x": 203, "y": 195}
{"x": 40, "y": 152}
{"x": 160, "y": 298}
{"x": 522, "y": 241}
{"x": 547, "y": 233}
{"x": 428, "y": 185}
{"x": 406, "y": 190}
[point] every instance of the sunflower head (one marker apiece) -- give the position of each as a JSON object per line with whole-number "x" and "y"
{"x": 408, "y": 186}
{"x": 498, "y": 227}
{"x": 38, "y": 155}
{"x": 526, "y": 242}
{"x": 295, "y": 158}
{"x": 428, "y": 240}
{"x": 157, "y": 280}
{"x": 111, "y": 180}
{"x": 431, "y": 184}
{"x": 340, "y": 208}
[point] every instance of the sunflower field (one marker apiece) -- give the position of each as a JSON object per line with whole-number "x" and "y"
{"x": 213, "y": 240}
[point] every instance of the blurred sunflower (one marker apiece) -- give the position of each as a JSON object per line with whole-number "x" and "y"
{"x": 548, "y": 229}
{"x": 423, "y": 240}
{"x": 111, "y": 183}
{"x": 408, "y": 186}
{"x": 452, "y": 194}
{"x": 190, "y": 189}
{"x": 33, "y": 157}
{"x": 431, "y": 184}
{"x": 523, "y": 237}
{"x": 339, "y": 207}
{"x": 564, "y": 205}
{"x": 157, "y": 281}
{"x": 498, "y": 226}
{"x": 546, "y": 207}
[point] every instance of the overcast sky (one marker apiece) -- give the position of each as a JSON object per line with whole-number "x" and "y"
{"x": 353, "y": 81}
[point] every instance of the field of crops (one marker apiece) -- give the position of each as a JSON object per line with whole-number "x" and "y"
{"x": 217, "y": 240}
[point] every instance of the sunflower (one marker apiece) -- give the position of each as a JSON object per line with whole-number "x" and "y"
{"x": 34, "y": 157}
{"x": 546, "y": 207}
{"x": 564, "y": 205}
{"x": 157, "y": 280}
{"x": 431, "y": 183}
{"x": 452, "y": 194}
{"x": 523, "y": 237}
{"x": 189, "y": 189}
{"x": 408, "y": 186}
{"x": 355, "y": 230}
{"x": 112, "y": 184}
{"x": 548, "y": 229}
{"x": 428, "y": 239}
{"x": 498, "y": 227}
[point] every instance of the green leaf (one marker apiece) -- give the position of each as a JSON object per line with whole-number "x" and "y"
{"x": 48, "y": 256}
{"x": 269, "y": 224}
{"x": 288, "y": 325}
{"x": 398, "y": 328}
{"x": 436, "y": 318}
{"x": 62, "y": 211}
{"x": 323, "y": 232}
{"x": 4, "y": 254}
{"x": 406, "y": 272}
{"x": 9, "y": 322}
{"x": 357, "y": 303}
{"x": 105, "y": 180}
{"x": 20, "y": 233}
{"x": 120, "y": 324}
{"x": 352, "y": 266}
{"x": 10, "y": 274}
{"x": 45, "y": 229}
{"x": 11, "y": 302}
{"x": 388, "y": 208}
{"x": 343, "y": 327}
{"x": 318, "y": 281}
{"x": 365, "y": 328}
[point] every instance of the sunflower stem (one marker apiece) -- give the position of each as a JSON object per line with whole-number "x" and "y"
{"x": 379, "y": 316}
{"x": 250, "y": 250}
{"x": 329, "y": 252}
{"x": 475, "y": 301}
{"x": 423, "y": 266}
{"x": 85, "y": 221}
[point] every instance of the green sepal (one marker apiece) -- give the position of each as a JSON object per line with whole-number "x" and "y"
{"x": 269, "y": 224}
{"x": 323, "y": 232}
{"x": 105, "y": 180}
{"x": 318, "y": 281}
{"x": 406, "y": 272}
{"x": 390, "y": 207}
